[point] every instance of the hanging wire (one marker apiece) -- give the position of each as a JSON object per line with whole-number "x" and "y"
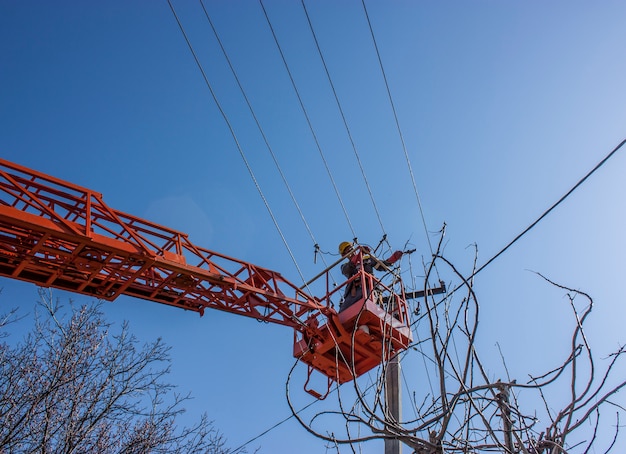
{"x": 308, "y": 120}
{"x": 557, "y": 203}
{"x": 273, "y": 427}
{"x": 263, "y": 135}
{"x": 234, "y": 136}
{"x": 531, "y": 226}
{"x": 343, "y": 117}
{"x": 395, "y": 115}
{"x": 540, "y": 218}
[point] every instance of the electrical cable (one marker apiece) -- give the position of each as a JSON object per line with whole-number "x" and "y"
{"x": 308, "y": 120}
{"x": 274, "y": 426}
{"x": 534, "y": 224}
{"x": 234, "y": 136}
{"x": 343, "y": 117}
{"x": 545, "y": 213}
{"x": 397, "y": 121}
{"x": 261, "y": 131}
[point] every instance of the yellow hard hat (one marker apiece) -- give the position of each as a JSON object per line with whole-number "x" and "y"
{"x": 344, "y": 246}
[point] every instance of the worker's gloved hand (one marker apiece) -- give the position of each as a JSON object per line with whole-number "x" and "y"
{"x": 395, "y": 257}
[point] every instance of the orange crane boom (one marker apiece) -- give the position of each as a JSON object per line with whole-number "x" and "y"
{"x": 57, "y": 234}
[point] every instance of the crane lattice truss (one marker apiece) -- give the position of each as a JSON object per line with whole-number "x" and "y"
{"x": 57, "y": 234}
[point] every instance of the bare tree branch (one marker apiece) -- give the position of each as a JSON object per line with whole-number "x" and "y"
{"x": 471, "y": 411}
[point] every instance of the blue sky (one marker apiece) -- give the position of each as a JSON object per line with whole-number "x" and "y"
{"x": 503, "y": 106}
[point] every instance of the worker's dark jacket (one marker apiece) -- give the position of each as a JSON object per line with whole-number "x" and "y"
{"x": 354, "y": 289}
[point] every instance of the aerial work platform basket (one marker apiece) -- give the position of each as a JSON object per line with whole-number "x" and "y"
{"x": 346, "y": 344}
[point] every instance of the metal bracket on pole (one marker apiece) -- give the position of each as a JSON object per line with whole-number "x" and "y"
{"x": 429, "y": 292}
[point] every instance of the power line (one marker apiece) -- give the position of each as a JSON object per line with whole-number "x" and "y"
{"x": 261, "y": 131}
{"x": 531, "y": 226}
{"x": 308, "y": 120}
{"x": 395, "y": 116}
{"x": 545, "y": 213}
{"x": 343, "y": 117}
{"x": 234, "y": 136}
{"x": 273, "y": 427}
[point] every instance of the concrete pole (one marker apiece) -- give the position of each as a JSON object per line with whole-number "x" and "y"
{"x": 393, "y": 402}
{"x": 505, "y": 414}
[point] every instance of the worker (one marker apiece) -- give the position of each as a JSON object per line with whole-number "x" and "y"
{"x": 360, "y": 259}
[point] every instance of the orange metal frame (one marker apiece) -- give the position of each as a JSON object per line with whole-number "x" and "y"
{"x": 359, "y": 338}
{"x": 57, "y": 234}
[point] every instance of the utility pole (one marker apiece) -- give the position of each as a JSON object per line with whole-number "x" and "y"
{"x": 393, "y": 402}
{"x": 505, "y": 413}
